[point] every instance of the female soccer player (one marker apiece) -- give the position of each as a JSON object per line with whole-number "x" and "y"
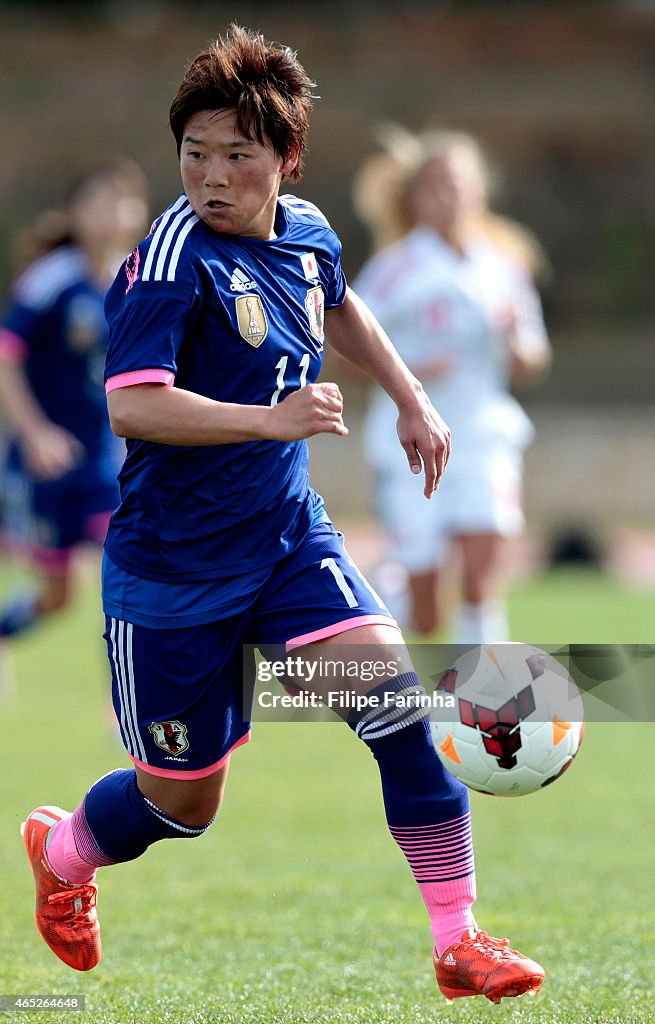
{"x": 60, "y": 471}
{"x": 455, "y": 294}
{"x": 217, "y": 324}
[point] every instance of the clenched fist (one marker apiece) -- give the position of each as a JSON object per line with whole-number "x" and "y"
{"x": 314, "y": 409}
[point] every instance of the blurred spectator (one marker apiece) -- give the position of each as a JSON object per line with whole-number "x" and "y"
{"x": 452, "y": 283}
{"x": 61, "y": 462}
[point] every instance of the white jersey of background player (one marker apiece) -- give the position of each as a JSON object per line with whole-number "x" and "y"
{"x": 456, "y": 297}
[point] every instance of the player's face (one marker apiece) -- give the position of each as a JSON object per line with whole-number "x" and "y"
{"x": 231, "y": 182}
{"x": 109, "y": 212}
{"x": 449, "y": 191}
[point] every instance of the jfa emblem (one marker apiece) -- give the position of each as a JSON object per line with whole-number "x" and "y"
{"x": 315, "y": 306}
{"x": 251, "y": 318}
{"x": 170, "y": 736}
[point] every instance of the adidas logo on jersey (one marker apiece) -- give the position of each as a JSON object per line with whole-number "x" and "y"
{"x": 240, "y": 282}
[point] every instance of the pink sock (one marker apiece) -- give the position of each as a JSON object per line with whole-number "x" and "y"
{"x": 441, "y": 859}
{"x": 65, "y": 841}
{"x": 449, "y": 905}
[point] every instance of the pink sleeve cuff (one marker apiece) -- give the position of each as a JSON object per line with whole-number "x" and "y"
{"x": 12, "y": 347}
{"x": 126, "y": 380}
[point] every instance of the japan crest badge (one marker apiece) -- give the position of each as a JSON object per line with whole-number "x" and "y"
{"x": 315, "y": 306}
{"x": 170, "y": 736}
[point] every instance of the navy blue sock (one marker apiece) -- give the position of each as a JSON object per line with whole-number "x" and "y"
{"x": 121, "y": 823}
{"x": 20, "y": 612}
{"x": 416, "y": 787}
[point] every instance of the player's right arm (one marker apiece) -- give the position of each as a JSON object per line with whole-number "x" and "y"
{"x": 48, "y": 450}
{"x": 152, "y": 310}
{"x": 169, "y": 415}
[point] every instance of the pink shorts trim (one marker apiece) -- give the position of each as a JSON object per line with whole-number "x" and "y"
{"x": 341, "y": 627}
{"x": 13, "y": 348}
{"x": 47, "y": 560}
{"x": 56, "y": 561}
{"x": 126, "y": 380}
{"x": 199, "y": 773}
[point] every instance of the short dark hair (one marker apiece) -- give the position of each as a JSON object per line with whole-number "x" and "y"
{"x": 262, "y": 81}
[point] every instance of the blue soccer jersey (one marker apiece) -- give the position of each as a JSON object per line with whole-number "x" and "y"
{"x": 54, "y": 325}
{"x": 237, "y": 320}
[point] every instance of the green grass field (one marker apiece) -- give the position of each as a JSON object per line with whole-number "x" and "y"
{"x": 297, "y": 906}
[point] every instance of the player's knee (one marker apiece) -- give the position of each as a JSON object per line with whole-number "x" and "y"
{"x": 194, "y": 803}
{"x": 196, "y": 812}
{"x": 164, "y": 825}
{"x": 193, "y": 829}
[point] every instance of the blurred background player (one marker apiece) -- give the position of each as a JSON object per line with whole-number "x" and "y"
{"x": 62, "y": 459}
{"x": 452, "y": 284}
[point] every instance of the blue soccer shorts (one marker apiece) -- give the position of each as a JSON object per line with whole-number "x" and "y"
{"x": 47, "y": 519}
{"x": 179, "y": 693}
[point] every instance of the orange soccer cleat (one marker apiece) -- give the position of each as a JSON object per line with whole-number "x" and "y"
{"x": 480, "y": 965}
{"x": 65, "y": 914}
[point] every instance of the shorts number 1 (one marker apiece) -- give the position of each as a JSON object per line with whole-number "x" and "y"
{"x": 340, "y": 579}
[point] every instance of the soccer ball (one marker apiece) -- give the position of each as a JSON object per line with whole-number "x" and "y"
{"x": 517, "y": 723}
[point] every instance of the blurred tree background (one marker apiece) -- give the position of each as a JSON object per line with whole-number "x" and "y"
{"x": 562, "y": 95}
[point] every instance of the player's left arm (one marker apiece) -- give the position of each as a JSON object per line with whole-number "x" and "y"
{"x": 527, "y": 339}
{"x": 529, "y": 362}
{"x": 353, "y": 331}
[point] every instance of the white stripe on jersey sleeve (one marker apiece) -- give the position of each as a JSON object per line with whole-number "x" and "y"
{"x": 163, "y": 224}
{"x": 165, "y": 248}
{"x": 40, "y": 285}
{"x": 304, "y": 206}
{"x": 172, "y": 267}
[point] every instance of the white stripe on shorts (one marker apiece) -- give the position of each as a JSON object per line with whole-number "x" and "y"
{"x": 132, "y": 693}
{"x": 119, "y": 684}
{"x": 129, "y": 726}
